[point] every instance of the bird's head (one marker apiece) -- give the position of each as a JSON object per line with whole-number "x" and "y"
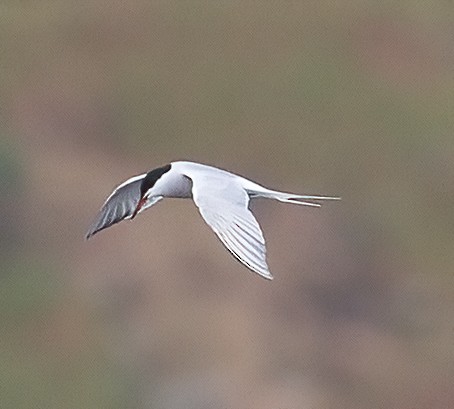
{"x": 147, "y": 185}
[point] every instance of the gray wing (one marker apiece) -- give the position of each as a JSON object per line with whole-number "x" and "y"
{"x": 223, "y": 205}
{"x": 119, "y": 205}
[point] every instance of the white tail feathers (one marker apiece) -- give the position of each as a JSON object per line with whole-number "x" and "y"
{"x": 296, "y": 199}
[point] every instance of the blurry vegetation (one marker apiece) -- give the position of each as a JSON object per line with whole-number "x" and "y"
{"x": 12, "y": 186}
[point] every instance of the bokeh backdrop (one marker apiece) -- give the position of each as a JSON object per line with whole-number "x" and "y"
{"x": 349, "y": 98}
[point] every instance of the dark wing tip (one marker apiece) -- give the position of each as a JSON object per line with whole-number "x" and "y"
{"x": 107, "y": 217}
{"x": 94, "y": 228}
{"x": 89, "y": 234}
{"x": 118, "y": 206}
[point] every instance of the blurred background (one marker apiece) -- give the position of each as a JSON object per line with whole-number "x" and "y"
{"x": 349, "y": 98}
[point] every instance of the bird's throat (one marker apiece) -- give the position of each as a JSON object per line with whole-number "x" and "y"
{"x": 142, "y": 201}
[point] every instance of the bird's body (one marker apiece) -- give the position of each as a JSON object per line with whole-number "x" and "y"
{"x": 222, "y": 198}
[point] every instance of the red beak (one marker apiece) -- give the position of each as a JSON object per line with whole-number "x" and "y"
{"x": 142, "y": 201}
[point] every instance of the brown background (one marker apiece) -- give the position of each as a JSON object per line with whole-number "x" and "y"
{"x": 354, "y": 98}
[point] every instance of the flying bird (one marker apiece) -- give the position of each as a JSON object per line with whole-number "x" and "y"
{"x": 221, "y": 197}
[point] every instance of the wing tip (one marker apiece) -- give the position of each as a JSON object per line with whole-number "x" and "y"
{"x": 90, "y": 233}
{"x": 267, "y": 276}
{"x": 95, "y": 228}
{"x": 264, "y": 273}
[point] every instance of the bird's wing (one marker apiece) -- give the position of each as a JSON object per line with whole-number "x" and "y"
{"x": 223, "y": 204}
{"x": 120, "y": 205}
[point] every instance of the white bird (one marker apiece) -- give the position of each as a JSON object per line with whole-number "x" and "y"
{"x": 222, "y": 198}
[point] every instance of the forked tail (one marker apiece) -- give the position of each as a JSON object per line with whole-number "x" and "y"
{"x": 296, "y": 199}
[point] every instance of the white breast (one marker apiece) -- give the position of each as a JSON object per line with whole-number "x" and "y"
{"x": 173, "y": 184}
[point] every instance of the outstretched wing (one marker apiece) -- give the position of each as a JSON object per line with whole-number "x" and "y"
{"x": 119, "y": 205}
{"x": 223, "y": 205}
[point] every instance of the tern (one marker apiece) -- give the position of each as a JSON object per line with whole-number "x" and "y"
{"x": 221, "y": 197}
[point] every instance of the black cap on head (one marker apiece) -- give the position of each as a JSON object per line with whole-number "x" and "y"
{"x": 152, "y": 176}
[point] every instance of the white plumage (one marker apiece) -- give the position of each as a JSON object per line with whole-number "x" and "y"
{"x": 221, "y": 197}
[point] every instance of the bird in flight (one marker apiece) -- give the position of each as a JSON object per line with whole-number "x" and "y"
{"x": 221, "y": 197}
